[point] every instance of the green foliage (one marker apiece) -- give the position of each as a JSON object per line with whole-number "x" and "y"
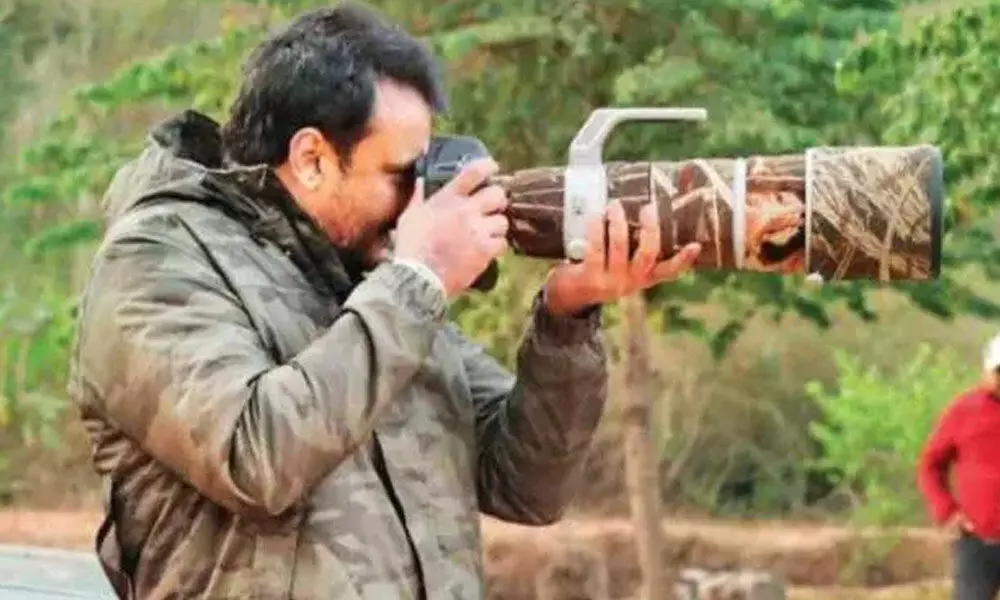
{"x": 31, "y": 334}
{"x": 523, "y": 76}
{"x": 52, "y": 175}
{"x": 939, "y": 85}
{"x": 497, "y": 319}
{"x": 79, "y": 152}
{"x": 24, "y": 31}
{"x": 762, "y": 69}
{"x": 874, "y": 423}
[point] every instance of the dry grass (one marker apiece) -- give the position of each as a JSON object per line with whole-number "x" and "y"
{"x": 931, "y": 589}
{"x": 601, "y": 554}
{"x": 595, "y": 558}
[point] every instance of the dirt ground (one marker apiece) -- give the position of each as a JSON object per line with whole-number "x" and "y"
{"x": 814, "y": 560}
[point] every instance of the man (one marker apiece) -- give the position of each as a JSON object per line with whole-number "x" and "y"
{"x": 965, "y": 446}
{"x": 275, "y": 399}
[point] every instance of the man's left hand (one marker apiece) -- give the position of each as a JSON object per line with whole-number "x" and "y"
{"x": 606, "y": 274}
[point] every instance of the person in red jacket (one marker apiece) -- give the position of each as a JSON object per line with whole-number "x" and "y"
{"x": 959, "y": 478}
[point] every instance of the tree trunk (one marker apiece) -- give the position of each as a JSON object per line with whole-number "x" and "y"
{"x": 642, "y": 474}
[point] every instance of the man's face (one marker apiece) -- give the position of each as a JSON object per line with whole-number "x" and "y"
{"x": 990, "y": 380}
{"x": 358, "y": 205}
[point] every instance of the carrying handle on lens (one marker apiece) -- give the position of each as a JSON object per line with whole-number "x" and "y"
{"x": 585, "y": 186}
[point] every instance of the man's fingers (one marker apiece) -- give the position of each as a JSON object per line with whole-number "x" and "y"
{"x": 417, "y": 197}
{"x": 496, "y": 225}
{"x": 496, "y": 246}
{"x": 377, "y": 253}
{"x": 617, "y": 239}
{"x": 594, "y": 257}
{"x": 471, "y": 176}
{"x": 492, "y": 199}
{"x": 415, "y": 201}
{"x": 649, "y": 241}
{"x": 677, "y": 264}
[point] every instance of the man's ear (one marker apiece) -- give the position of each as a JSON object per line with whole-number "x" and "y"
{"x": 311, "y": 158}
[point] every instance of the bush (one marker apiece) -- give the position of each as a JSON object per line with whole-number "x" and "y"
{"x": 874, "y": 425}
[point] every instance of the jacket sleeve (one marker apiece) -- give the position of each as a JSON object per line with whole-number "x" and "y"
{"x": 175, "y": 363}
{"x": 534, "y": 427}
{"x": 933, "y": 466}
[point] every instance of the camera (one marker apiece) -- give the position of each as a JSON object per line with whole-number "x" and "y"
{"x": 445, "y": 157}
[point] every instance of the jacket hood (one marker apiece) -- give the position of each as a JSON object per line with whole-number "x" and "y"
{"x": 183, "y": 160}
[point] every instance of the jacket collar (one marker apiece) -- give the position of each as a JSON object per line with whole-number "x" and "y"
{"x": 256, "y": 197}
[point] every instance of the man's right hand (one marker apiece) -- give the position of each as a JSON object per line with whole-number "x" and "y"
{"x": 454, "y": 232}
{"x": 957, "y": 523}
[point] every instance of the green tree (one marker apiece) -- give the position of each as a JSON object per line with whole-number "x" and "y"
{"x": 875, "y": 458}
{"x": 939, "y": 84}
{"x": 45, "y": 47}
{"x": 761, "y": 68}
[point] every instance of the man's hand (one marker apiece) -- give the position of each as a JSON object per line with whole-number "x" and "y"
{"x": 957, "y": 524}
{"x": 572, "y": 287}
{"x": 454, "y": 232}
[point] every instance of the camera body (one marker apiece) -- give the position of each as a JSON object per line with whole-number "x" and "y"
{"x": 446, "y": 155}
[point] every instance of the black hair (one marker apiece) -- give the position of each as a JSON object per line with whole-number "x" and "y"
{"x": 321, "y": 71}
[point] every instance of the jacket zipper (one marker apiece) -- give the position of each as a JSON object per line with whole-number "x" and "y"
{"x": 383, "y": 475}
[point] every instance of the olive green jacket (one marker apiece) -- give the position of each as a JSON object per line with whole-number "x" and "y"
{"x": 272, "y": 424}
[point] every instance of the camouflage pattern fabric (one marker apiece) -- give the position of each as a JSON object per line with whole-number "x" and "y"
{"x": 272, "y": 424}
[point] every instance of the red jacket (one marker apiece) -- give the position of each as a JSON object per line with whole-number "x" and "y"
{"x": 965, "y": 447}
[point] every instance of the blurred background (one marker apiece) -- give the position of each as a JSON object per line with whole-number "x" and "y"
{"x": 776, "y": 404}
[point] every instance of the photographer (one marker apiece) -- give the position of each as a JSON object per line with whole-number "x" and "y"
{"x": 275, "y": 398}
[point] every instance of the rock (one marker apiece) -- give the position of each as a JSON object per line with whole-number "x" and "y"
{"x": 700, "y": 584}
{"x": 574, "y": 573}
